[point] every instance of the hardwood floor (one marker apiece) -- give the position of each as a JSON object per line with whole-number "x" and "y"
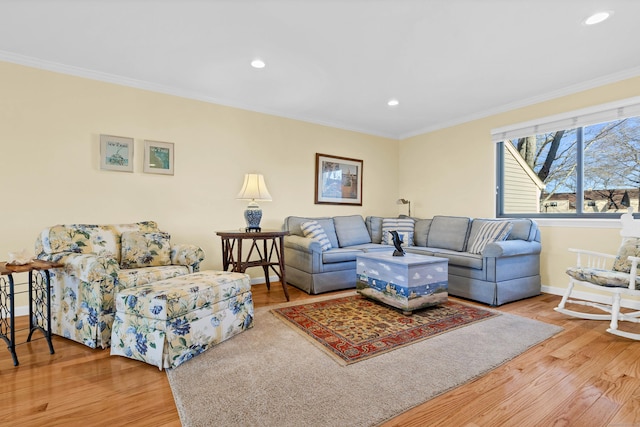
{"x": 581, "y": 377}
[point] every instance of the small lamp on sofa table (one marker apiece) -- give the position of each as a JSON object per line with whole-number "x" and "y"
{"x": 253, "y": 189}
{"x": 405, "y": 202}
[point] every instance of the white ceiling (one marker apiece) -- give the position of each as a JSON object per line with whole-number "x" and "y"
{"x": 335, "y": 62}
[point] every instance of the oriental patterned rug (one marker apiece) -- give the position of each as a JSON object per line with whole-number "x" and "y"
{"x": 355, "y": 328}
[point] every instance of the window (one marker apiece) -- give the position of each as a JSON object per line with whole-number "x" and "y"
{"x": 583, "y": 164}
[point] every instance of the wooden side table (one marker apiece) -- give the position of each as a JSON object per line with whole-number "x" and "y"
{"x": 39, "y": 302}
{"x": 268, "y": 245}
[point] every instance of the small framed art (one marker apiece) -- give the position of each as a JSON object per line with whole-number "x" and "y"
{"x": 338, "y": 180}
{"x": 158, "y": 157}
{"x": 116, "y": 153}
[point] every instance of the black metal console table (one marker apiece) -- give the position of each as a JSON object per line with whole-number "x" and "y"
{"x": 39, "y": 301}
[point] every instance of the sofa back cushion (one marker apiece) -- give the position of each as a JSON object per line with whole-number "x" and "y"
{"x": 421, "y": 231}
{"x": 630, "y": 247}
{"x": 293, "y": 225}
{"x": 102, "y": 240}
{"x": 141, "y": 249}
{"x": 374, "y": 225}
{"x": 448, "y": 232}
{"x": 524, "y": 229}
{"x": 351, "y": 230}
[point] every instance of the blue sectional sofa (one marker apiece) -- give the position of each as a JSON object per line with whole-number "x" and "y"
{"x": 503, "y": 271}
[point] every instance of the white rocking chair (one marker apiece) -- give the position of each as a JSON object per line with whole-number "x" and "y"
{"x": 614, "y": 274}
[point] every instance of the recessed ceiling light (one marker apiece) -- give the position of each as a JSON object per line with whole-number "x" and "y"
{"x": 393, "y": 102}
{"x": 598, "y": 17}
{"x": 258, "y": 63}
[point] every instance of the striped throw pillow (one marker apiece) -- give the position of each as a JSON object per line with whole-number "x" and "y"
{"x": 315, "y": 231}
{"x": 489, "y": 232}
{"x": 404, "y": 227}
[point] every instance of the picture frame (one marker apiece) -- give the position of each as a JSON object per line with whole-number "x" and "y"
{"x": 338, "y": 180}
{"x": 116, "y": 153}
{"x": 158, "y": 157}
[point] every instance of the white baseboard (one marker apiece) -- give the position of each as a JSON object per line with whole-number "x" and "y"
{"x": 601, "y": 298}
{"x": 24, "y": 310}
{"x": 260, "y": 280}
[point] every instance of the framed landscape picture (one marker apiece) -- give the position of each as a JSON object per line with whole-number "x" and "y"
{"x": 338, "y": 180}
{"x": 158, "y": 157}
{"x": 116, "y": 153}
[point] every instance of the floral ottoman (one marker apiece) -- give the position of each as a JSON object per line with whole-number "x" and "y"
{"x": 170, "y": 321}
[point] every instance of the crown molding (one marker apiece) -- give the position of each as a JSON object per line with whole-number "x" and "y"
{"x": 140, "y": 84}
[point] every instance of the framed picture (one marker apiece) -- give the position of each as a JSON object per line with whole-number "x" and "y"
{"x": 158, "y": 157}
{"x": 116, "y": 153}
{"x": 338, "y": 180}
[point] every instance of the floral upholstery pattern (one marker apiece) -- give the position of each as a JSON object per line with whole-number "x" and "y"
{"x": 601, "y": 277}
{"x": 145, "y": 249}
{"x": 168, "y": 322}
{"x": 83, "y": 291}
{"x": 630, "y": 247}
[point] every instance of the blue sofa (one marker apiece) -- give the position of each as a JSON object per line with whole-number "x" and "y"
{"x": 504, "y": 271}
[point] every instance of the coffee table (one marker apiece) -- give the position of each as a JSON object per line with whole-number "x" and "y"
{"x": 408, "y": 282}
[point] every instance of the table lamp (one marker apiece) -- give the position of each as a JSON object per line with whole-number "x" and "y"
{"x": 253, "y": 189}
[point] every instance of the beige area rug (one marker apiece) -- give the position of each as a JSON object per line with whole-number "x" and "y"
{"x": 272, "y": 376}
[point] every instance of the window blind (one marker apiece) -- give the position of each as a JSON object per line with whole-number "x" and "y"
{"x": 617, "y": 110}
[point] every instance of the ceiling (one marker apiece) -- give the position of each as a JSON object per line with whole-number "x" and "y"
{"x": 335, "y": 62}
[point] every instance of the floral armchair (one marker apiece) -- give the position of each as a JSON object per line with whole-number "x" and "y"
{"x": 100, "y": 260}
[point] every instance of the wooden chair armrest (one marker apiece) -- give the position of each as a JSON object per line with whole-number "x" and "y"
{"x": 592, "y": 258}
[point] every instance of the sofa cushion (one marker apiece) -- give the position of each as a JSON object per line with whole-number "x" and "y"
{"x": 597, "y": 276}
{"x": 448, "y": 232}
{"x": 81, "y": 238}
{"x": 523, "y": 229}
{"x": 145, "y": 249}
{"x": 336, "y": 255}
{"x": 374, "y": 225}
{"x": 459, "y": 259}
{"x": 102, "y": 240}
{"x": 351, "y": 230}
{"x": 484, "y": 232}
{"x": 404, "y": 227}
{"x": 131, "y": 277}
{"x": 293, "y": 225}
{"x": 315, "y": 231}
{"x": 421, "y": 231}
{"x": 630, "y": 247}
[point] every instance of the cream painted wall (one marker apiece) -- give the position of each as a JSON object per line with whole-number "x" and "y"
{"x": 50, "y": 173}
{"x": 458, "y": 166}
{"x": 49, "y": 164}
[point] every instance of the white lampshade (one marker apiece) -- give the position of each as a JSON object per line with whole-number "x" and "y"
{"x": 254, "y": 188}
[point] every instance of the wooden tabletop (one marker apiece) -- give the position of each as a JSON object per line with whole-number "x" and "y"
{"x": 237, "y": 234}
{"x": 36, "y": 264}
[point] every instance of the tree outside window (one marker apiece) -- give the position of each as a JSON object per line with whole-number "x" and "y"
{"x": 586, "y": 171}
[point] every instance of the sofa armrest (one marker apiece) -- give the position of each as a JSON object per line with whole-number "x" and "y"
{"x": 187, "y": 254}
{"x": 90, "y": 267}
{"x": 508, "y": 248}
{"x": 302, "y": 244}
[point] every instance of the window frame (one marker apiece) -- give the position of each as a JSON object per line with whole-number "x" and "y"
{"x": 571, "y": 120}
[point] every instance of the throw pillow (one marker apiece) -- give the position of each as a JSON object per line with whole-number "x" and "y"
{"x": 629, "y": 247}
{"x": 489, "y": 232}
{"x": 404, "y": 227}
{"x": 145, "y": 249}
{"x": 315, "y": 231}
